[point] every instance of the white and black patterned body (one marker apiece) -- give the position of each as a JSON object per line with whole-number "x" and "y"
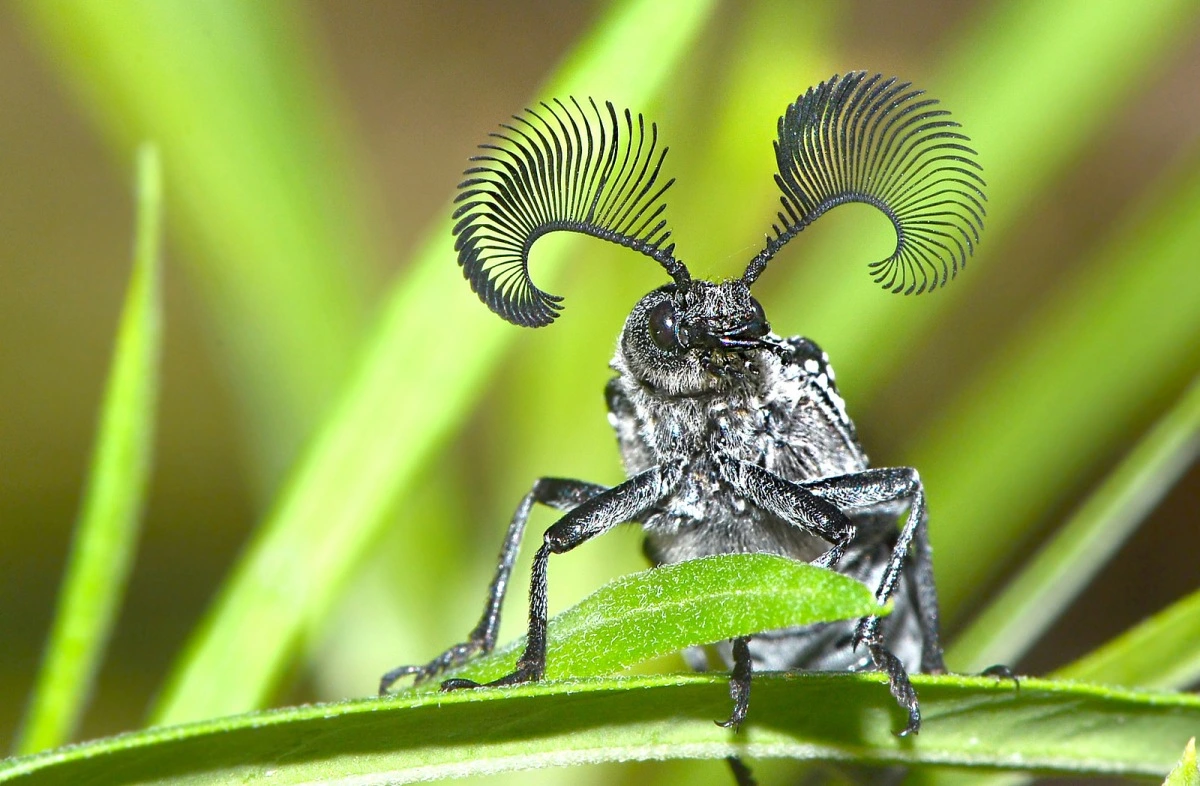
{"x": 778, "y": 408}
{"x": 734, "y": 439}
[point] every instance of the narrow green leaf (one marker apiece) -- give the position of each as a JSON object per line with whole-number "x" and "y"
{"x": 1048, "y": 583}
{"x": 1186, "y": 772}
{"x": 1160, "y": 652}
{"x": 662, "y": 610}
{"x": 722, "y": 146}
{"x": 1066, "y": 728}
{"x": 261, "y": 178}
{"x": 1032, "y": 83}
{"x": 106, "y": 532}
{"x": 400, "y": 404}
{"x": 1009, "y": 444}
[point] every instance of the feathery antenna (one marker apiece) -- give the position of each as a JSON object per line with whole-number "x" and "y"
{"x": 868, "y": 139}
{"x": 559, "y": 167}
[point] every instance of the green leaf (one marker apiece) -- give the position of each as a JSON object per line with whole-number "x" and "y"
{"x": 662, "y": 610}
{"x": 1032, "y": 601}
{"x": 262, "y": 181}
{"x": 1068, "y": 69}
{"x": 1185, "y": 773}
{"x": 1055, "y": 727}
{"x": 1160, "y": 652}
{"x": 1011, "y": 442}
{"x": 106, "y": 532}
{"x": 338, "y": 499}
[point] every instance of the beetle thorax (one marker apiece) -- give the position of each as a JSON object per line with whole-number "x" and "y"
{"x": 770, "y": 410}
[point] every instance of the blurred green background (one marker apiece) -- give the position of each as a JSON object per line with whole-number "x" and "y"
{"x": 311, "y": 149}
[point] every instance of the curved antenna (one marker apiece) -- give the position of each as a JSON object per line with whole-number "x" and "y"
{"x": 558, "y": 168}
{"x": 868, "y": 139}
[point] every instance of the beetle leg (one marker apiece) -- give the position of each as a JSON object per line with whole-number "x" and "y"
{"x": 560, "y": 493}
{"x": 598, "y": 514}
{"x": 885, "y": 488}
{"x": 739, "y": 683}
{"x": 793, "y": 503}
{"x": 882, "y": 488}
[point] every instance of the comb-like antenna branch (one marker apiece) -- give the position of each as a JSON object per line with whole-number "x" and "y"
{"x": 867, "y": 139}
{"x": 559, "y": 167}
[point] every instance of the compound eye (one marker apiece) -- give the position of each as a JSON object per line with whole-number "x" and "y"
{"x": 758, "y": 324}
{"x": 663, "y": 327}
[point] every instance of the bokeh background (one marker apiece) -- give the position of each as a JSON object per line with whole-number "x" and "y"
{"x": 311, "y": 149}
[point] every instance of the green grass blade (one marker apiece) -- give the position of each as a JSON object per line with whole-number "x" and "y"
{"x": 260, "y": 178}
{"x": 1186, "y": 772}
{"x": 1019, "y": 72}
{"x": 1065, "y": 728}
{"x": 106, "y": 532}
{"x": 1160, "y": 652}
{"x": 400, "y": 404}
{"x": 602, "y": 63}
{"x": 726, "y": 194}
{"x": 1033, "y": 421}
{"x": 1048, "y": 583}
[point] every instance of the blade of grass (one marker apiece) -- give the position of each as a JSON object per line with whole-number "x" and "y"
{"x": 1048, "y": 583}
{"x": 1062, "y": 727}
{"x": 1160, "y": 652}
{"x": 1186, "y": 772}
{"x": 373, "y": 624}
{"x": 259, "y": 174}
{"x": 1017, "y": 71}
{"x": 774, "y": 51}
{"x": 1034, "y": 419}
{"x": 1066, "y": 728}
{"x": 106, "y": 532}
{"x": 401, "y": 402}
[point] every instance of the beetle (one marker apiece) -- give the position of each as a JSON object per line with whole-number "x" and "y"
{"x": 734, "y": 439}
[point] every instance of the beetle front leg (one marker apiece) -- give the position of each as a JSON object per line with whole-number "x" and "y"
{"x": 739, "y": 683}
{"x": 799, "y": 507}
{"x": 793, "y": 503}
{"x": 560, "y": 493}
{"x": 817, "y": 506}
{"x": 625, "y": 502}
{"x": 883, "y": 488}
